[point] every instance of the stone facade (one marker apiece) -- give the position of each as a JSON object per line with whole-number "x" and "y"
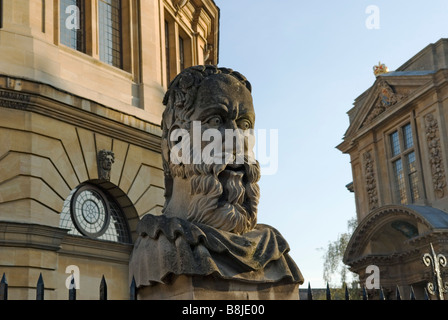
{"x": 397, "y": 141}
{"x": 63, "y": 112}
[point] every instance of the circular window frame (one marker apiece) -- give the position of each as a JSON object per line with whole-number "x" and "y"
{"x": 76, "y": 214}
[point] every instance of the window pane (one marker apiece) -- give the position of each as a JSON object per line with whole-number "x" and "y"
{"x": 71, "y": 24}
{"x": 411, "y": 162}
{"x": 404, "y": 168}
{"x": 407, "y": 136}
{"x": 395, "y": 144}
{"x": 167, "y": 53}
{"x": 413, "y": 180}
{"x": 181, "y": 53}
{"x": 413, "y": 177}
{"x": 109, "y": 16}
{"x": 399, "y": 180}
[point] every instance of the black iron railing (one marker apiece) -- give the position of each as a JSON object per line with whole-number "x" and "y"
{"x": 40, "y": 289}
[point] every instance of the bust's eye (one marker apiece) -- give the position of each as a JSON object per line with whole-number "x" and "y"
{"x": 244, "y": 124}
{"x": 214, "y": 121}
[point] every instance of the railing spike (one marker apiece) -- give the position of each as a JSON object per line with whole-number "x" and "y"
{"x": 364, "y": 294}
{"x": 328, "y": 292}
{"x": 133, "y": 290}
{"x": 72, "y": 289}
{"x": 103, "y": 289}
{"x": 4, "y": 288}
{"x": 426, "y": 295}
{"x": 347, "y": 295}
{"x": 412, "y": 296}
{"x": 310, "y": 293}
{"x": 382, "y": 296}
{"x": 397, "y": 293}
{"x": 40, "y": 288}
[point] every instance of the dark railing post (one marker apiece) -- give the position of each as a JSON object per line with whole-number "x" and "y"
{"x": 72, "y": 289}
{"x": 40, "y": 288}
{"x": 425, "y": 295}
{"x": 397, "y": 293}
{"x": 133, "y": 290}
{"x": 3, "y": 288}
{"x": 364, "y": 294}
{"x": 309, "y": 293}
{"x": 382, "y": 296}
{"x": 328, "y": 292}
{"x": 412, "y": 295}
{"x": 103, "y": 289}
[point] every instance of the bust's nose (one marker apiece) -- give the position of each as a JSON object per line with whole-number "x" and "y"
{"x": 233, "y": 142}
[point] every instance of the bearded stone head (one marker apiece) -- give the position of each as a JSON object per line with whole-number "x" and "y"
{"x": 210, "y": 173}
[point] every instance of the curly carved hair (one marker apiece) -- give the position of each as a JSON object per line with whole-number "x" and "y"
{"x": 182, "y": 91}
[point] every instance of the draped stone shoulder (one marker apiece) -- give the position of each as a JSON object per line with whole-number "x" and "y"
{"x": 170, "y": 246}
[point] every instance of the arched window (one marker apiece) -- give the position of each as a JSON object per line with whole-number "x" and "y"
{"x": 91, "y": 212}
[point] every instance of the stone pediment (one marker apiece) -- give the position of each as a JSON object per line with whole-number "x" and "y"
{"x": 386, "y": 97}
{"x": 389, "y": 92}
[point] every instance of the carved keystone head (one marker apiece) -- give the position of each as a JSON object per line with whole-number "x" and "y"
{"x": 105, "y": 160}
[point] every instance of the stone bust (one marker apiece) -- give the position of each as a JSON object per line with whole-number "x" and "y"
{"x": 209, "y": 221}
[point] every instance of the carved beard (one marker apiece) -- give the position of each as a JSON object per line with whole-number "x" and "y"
{"x": 224, "y": 196}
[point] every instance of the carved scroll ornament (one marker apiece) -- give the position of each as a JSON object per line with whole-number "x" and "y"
{"x": 435, "y": 155}
{"x": 370, "y": 180}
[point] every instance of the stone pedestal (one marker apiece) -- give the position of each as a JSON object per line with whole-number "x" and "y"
{"x": 210, "y": 288}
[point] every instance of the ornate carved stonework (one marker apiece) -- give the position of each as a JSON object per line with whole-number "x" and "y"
{"x": 386, "y": 98}
{"x": 370, "y": 180}
{"x": 105, "y": 160}
{"x": 14, "y": 100}
{"x": 435, "y": 155}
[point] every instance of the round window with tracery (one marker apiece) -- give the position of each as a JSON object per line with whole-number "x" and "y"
{"x": 93, "y": 212}
{"x": 90, "y": 212}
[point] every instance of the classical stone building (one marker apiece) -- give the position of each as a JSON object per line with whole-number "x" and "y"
{"x": 398, "y": 146}
{"x": 81, "y": 89}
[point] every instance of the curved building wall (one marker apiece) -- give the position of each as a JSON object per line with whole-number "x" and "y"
{"x": 63, "y": 105}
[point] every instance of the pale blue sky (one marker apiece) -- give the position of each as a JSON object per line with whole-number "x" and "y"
{"x": 307, "y": 62}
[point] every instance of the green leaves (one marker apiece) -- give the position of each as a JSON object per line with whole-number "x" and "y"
{"x": 333, "y": 265}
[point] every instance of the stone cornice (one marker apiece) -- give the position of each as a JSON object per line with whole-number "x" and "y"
{"x": 381, "y": 259}
{"x": 44, "y": 99}
{"x": 13, "y": 234}
{"x": 81, "y": 247}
